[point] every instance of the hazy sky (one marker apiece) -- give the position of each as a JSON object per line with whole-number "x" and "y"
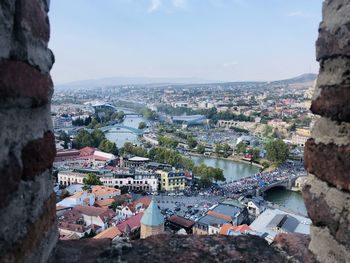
{"x": 226, "y": 40}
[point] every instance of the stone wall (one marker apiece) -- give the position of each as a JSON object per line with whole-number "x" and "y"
{"x": 327, "y": 153}
{"x": 147, "y": 231}
{"x": 28, "y": 232}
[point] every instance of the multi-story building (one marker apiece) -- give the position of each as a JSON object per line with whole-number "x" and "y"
{"x": 104, "y": 192}
{"x": 68, "y": 177}
{"x": 132, "y": 181}
{"x": 228, "y": 211}
{"x": 172, "y": 181}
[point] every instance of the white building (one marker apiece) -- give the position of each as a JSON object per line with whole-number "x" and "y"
{"x": 274, "y": 221}
{"x": 67, "y": 178}
{"x": 146, "y": 181}
{"x": 79, "y": 198}
{"x": 104, "y": 192}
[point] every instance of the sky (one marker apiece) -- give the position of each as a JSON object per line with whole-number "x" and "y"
{"x": 223, "y": 40}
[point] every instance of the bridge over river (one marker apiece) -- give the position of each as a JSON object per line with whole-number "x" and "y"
{"x": 260, "y": 183}
{"x": 120, "y": 128}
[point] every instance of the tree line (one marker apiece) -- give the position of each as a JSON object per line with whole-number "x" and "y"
{"x": 172, "y": 157}
{"x": 212, "y": 114}
{"x": 96, "y": 139}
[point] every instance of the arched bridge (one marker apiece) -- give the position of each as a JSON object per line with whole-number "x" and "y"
{"x": 119, "y": 128}
{"x": 287, "y": 183}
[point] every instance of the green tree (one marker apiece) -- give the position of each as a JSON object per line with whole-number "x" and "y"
{"x": 277, "y": 151}
{"x": 120, "y": 115}
{"x": 292, "y": 128}
{"x": 108, "y": 146}
{"x": 98, "y": 136}
{"x": 208, "y": 174}
{"x": 117, "y": 203}
{"x": 191, "y": 142}
{"x": 255, "y": 152}
{"x": 142, "y": 125}
{"x": 148, "y": 113}
{"x": 200, "y": 148}
{"x": 93, "y": 124}
{"x": 241, "y": 148}
{"x": 267, "y": 131}
{"x": 218, "y": 149}
{"x": 128, "y": 147}
{"x": 65, "y": 138}
{"x": 83, "y": 139}
{"x": 167, "y": 141}
{"x": 226, "y": 149}
{"x": 91, "y": 179}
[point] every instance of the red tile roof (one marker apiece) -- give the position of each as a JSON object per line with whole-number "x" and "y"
{"x": 181, "y": 221}
{"x": 144, "y": 201}
{"x": 87, "y": 151}
{"x": 134, "y": 222}
{"x": 111, "y": 233}
{"x": 103, "y": 213}
{"x": 95, "y": 157}
{"x": 219, "y": 215}
{"x": 225, "y": 228}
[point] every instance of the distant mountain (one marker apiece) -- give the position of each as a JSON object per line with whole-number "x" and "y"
{"x": 304, "y": 78}
{"x": 117, "y": 81}
{"x": 94, "y": 83}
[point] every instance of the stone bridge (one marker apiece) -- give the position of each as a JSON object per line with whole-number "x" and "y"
{"x": 288, "y": 184}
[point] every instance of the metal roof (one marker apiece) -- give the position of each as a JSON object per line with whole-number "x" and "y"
{"x": 152, "y": 215}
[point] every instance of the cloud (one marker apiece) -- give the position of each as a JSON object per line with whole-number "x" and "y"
{"x": 155, "y": 4}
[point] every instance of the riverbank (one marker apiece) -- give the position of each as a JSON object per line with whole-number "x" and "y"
{"x": 230, "y": 158}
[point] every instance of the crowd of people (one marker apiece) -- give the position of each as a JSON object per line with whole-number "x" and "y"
{"x": 285, "y": 172}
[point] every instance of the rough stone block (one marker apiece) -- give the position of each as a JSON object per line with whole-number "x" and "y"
{"x": 333, "y": 102}
{"x": 326, "y": 248}
{"x": 328, "y": 162}
{"x": 10, "y": 176}
{"x": 7, "y": 11}
{"x": 334, "y": 32}
{"x": 328, "y": 206}
{"x": 26, "y": 207}
{"x": 20, "y": 80}
{"x": 326, "y": 131}
{"x": 334, "y": 71}
{"x": 167, "y": 248}
{"x": 32, "y": 17}
{"x": 295, "y": 245}
{"x": 36, "y": 233}
{"x": 38, "y": 155}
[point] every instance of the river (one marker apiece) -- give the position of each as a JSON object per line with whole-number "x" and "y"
{"x": 125, "y": 135}
{"x": 235, "y": 170}
{"x": 286, "y": 198}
